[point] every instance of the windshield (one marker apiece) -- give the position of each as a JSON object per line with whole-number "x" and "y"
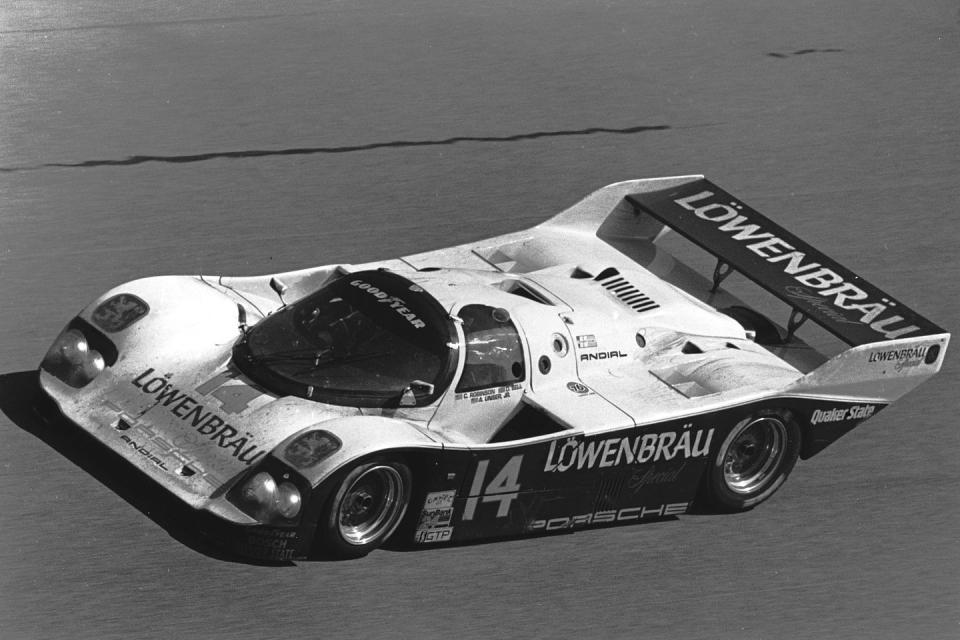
{"x": 359, "y": 341}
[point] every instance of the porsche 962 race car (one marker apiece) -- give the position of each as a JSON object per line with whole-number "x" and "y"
{"x": 571, "y": 375}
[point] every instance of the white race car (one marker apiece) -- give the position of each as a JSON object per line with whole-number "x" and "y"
{"x": 570, "y": 375}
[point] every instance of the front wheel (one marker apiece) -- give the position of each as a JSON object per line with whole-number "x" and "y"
{"x": 753, "y": 461}
{"x": 366, "y": 508}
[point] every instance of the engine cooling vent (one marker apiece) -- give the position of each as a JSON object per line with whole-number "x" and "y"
{"x": 628, "y": 294}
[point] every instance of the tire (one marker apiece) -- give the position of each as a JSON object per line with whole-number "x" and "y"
{"x": 753, "y": 461}
{"x": 366, "y": 508}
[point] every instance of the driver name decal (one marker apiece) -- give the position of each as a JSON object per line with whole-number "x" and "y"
{"x": 201, "y": 419}
{"x": 396, "y": 303}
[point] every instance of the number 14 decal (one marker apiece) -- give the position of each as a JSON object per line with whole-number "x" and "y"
{"x": 503, "y": 488}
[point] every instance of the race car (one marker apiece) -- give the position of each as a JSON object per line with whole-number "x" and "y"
{"x": 575, "y": 374}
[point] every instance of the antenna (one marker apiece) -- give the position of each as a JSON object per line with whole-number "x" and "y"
{"x": 242, "y": 318}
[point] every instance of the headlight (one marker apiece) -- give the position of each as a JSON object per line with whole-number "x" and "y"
{"x": 264, "y": 499}
{"x": 288, "y": 500}
{"x": 71, "y": 359}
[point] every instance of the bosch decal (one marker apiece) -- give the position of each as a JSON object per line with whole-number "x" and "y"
{"x": 203, "y": 420}
{"x": 827, "y": 283}
{"x": 842, "y": 414}
{"x": 272, "y": 544}
{"x": 579, "y": 454}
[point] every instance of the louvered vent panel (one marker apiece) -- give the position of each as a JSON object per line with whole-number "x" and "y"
{"x": 613, "y": 282}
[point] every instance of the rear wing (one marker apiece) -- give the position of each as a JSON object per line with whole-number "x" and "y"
{"x": 815, "y": 286}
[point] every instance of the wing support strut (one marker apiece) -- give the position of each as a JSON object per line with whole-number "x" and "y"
{"x": 797, "y": 318}
{"x": 720, "y": 273}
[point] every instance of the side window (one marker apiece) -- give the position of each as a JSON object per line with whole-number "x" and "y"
{"x": 494, "y": 355}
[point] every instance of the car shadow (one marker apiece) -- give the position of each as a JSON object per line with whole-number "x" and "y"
{"x": 405, "y": 546}
{"x": 22, "y": 401}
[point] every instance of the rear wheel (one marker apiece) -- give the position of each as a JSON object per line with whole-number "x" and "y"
{"x": 753, "y": 461}
{"x": 366, "y": 508}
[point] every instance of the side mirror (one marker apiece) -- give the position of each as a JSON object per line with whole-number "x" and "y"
{"x": 277, "y": 285}
{"x": 417, "y": 388}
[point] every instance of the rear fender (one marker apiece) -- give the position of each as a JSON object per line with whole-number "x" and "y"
{"x": 878, "y": 371}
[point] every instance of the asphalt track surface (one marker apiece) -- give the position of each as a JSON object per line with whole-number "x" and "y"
{"x": 244, "y": 138}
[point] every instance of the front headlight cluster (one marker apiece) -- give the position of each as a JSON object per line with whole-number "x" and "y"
{"x": 265, "y": 499}
{"x": 72, "y": 360}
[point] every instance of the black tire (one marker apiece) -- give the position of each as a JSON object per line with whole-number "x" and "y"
{"x": 366, "y": 508}
{"x": 753, "y": 461}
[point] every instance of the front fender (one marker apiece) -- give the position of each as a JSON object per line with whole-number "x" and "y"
{"x": 359, "y": 436}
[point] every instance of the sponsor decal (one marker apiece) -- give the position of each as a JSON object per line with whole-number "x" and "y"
{"x": 842, "y": 414}
{"x": 144, "y": 451}
{"x": 816, "y": 281}
{"x": 441, "y": 534}
{"x": 902, "y": 358}
{"x": 588, "y": 341}
{"x": 603, "y": 355}
{"x": 119, "y": 312}
{"x": 439, "y": 500}
{"x": 488, "y": 395}
{"x": 435, "y": 518}
{"x": 646, "y": 477}
{"x": 275, "y": 544}
{"x": 574, "y": 453}
{"x": 174, "y": 455}
{"x": 578, "y": 388}
{"x": 395, "y": 303}
{"x": 608, "y": 517}
{"x": 204, "y": 421}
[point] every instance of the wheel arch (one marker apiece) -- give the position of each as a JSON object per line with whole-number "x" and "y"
{"x": 361, "y": 439}
{"x": 706, "y": 500}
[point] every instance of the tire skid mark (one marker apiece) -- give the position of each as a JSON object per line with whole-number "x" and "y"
{"x": 803, "y": 52}
{"x": 303, "y": 151}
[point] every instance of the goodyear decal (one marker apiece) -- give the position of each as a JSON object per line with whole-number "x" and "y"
{"x": 399, "y": 305}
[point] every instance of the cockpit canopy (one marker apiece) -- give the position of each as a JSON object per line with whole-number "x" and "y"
{"x": 368, "y": 339}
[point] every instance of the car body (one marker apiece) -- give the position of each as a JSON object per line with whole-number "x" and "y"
{"x": 570, "y": 375}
